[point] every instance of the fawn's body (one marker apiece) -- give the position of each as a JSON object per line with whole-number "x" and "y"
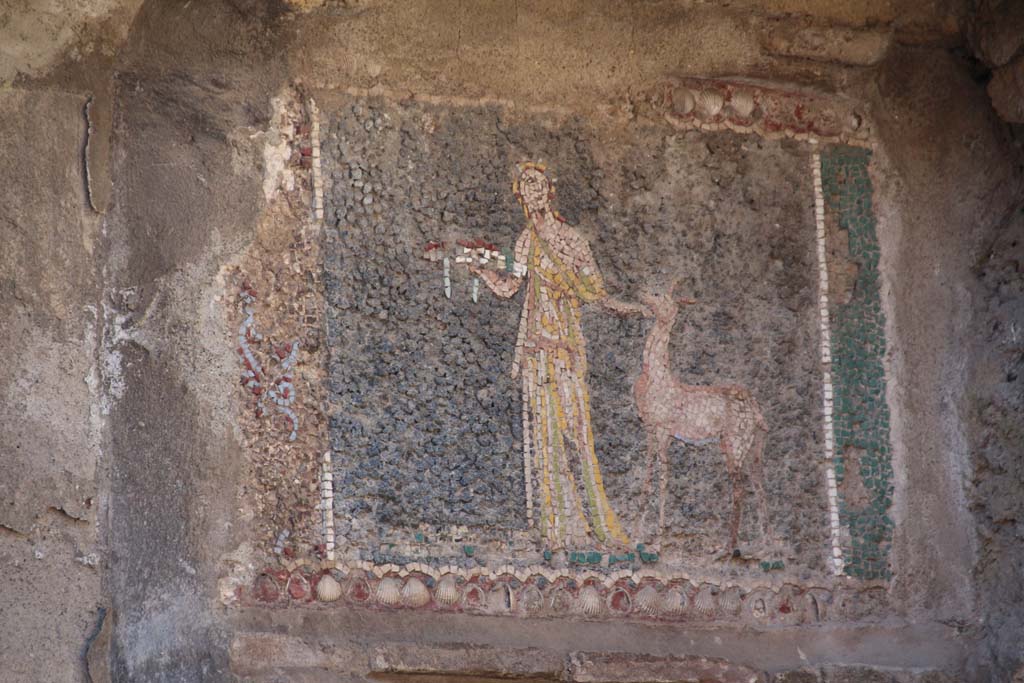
{"x": 696, "y": 414}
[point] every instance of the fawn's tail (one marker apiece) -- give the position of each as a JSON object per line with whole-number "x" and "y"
{"x": 759, "y": 418}
{"x": 744, "y": 395}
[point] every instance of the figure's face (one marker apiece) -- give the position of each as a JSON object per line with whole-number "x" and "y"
{"x": 534, "y": 189}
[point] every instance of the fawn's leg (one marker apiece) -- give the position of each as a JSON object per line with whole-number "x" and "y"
{"x": 664, "y": 438}
{"x": 738, "y": 490}
{"x": 652, "y": 453}
{"x": 757, "y": 481}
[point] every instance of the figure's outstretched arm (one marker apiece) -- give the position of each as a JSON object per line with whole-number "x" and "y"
{"x": 619, "y": 307}
{"x": 594, "y": 286}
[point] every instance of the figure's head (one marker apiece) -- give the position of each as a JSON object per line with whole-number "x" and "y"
{"x": 533, "y": 188}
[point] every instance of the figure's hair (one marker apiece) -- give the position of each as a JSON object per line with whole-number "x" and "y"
{"x": 524, "y": 166}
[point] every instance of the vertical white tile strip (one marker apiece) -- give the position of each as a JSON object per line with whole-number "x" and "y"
{"x": 836, "y": 560}
{"x": 327, "y": 504}
{"x": 318, "y": 182}
{"x": 326, "y": 476}
{"x": 527, "y": 471}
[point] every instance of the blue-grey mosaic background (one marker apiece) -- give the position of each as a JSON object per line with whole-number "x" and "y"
{"x": 425, "y": 420}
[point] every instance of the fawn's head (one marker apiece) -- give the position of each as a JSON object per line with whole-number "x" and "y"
{"x": 664, "y": 305}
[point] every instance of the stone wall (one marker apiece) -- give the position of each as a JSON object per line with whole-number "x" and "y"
{"x": 827, "y": 182}
{"x": 996, "y": 35}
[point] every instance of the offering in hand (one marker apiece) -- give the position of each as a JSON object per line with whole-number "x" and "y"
{"x": 474, "y": 254}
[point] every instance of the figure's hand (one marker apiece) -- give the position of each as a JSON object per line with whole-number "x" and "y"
{"x": 626, "y": 308}
{"x": 502, "y": 284}
{"x": 636, "y": 309}
{"x": 483, "y": 273}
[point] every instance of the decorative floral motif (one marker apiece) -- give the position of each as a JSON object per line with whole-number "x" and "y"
{"x": 281, "y": 390}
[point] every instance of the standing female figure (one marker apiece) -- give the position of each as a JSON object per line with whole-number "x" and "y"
{"x": 565, "y": 494}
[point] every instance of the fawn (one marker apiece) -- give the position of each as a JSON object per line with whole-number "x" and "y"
{"x": 696, "y": 414}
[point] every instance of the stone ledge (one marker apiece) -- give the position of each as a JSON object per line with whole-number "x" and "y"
{"x": 465, "y": 660}
{"x": 260, "y": 654}
{"x": 351, "y": 641}
{"x": 622, "y": 668}
{"x": 253, "y": 654}
{"x": 827, "y": 43}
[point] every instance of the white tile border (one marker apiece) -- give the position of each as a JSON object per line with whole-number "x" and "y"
{"x": 318, "y": 181}
{"x": 327, "y": 504}
{"x": 836, "y": 561}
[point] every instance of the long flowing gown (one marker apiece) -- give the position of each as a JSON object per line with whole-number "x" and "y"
{"x": 561, "y": 467}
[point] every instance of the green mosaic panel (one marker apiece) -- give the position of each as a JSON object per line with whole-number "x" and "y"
{"x": 860, "y": 412}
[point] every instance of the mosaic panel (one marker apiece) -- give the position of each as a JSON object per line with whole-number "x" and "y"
{"x": 605, "y": 361}
{"x": 571, "y": 366}
{"x": 862, "y": 461}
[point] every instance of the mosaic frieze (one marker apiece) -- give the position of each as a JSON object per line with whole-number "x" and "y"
{"x": 712, "y": 104}
{"x": 643, "y": 596}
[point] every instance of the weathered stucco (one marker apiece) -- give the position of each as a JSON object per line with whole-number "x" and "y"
{"x": 148, "y": 172}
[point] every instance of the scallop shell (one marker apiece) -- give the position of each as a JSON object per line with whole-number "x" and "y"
{"x": 531, "y": 599}
{"x": 297, "y": 587}
{"x": 683, "y": 101}
{"x": 501, "y": 599}
{"x": 619, "y": 601}
{"x": 473, "y": 598}
{"x": 589, "y": 601}
{"x": 818, "y": 603}
{"x": 560, "y": 600}
{"x": 447, "y": 591}
{"x": 704, "y": 603}
{"x": 674, "y": 602}
{"x": 415, "y": 593}
{"x": 730, "y": 600}
{"x": 758, "y": 604}
{"x": 389, "y": 591}
{"x": 328, "y": 589}
{"x": 709, "y": 103}
{"x": 789, "y": 606}
{"x": 647, "y": 600}
{"x": 359, "y": 590}
{"x": 742, "y": 102}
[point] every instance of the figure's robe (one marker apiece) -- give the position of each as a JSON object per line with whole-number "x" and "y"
{"x": 551, "y": 359}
